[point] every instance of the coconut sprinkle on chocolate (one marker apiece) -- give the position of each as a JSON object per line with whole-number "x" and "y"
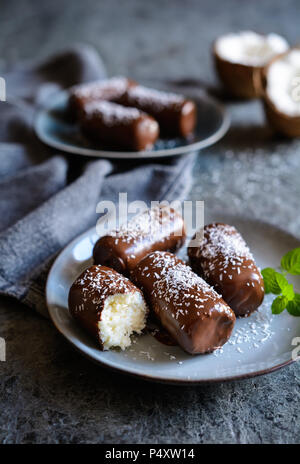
{"x": 151, "y": 222}
{"x": 97, "y": 286}
{"x": 112, "y": 88}
{"x": 224, "y": 248}
{"x": 111, "y": 113}
{"x": 175, "y": 281}
{"x": 144, "y": 97}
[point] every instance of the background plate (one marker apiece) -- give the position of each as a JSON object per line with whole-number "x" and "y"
{"x": 54, "y": 128}
{"x": 259, "y": 344}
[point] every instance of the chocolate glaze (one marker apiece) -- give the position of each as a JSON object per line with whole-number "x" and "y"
{"x": 175, "y": 114}
{"x": 156, "y": 330}
{"x": 88, "y": 293}
{"x": 118, "y": 127}
{"x": 224, "y": 260}
{"x": 164, "y": 337}
{"x": 160, "y": 228}
{"x": 108, "y": 89}
{"x": 188, "y": 308}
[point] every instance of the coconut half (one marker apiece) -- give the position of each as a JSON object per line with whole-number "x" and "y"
{"x": 241, "y": 57}
{"x": 281, "y": 93}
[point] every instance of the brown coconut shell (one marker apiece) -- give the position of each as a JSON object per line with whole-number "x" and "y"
{"x": 241, "y": 80}
{"x": 282, "y": 123}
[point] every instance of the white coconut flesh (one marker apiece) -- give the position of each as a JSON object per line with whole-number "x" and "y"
{"x": 283, "y": 83}
{"x": 123, "y": 314}
{"x": 249, "y": 48}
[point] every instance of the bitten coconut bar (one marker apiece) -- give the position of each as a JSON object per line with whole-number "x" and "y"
{"x": 108, "y": 306}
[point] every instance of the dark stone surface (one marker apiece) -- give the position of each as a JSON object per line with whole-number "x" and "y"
{"x": 48, "y": 392}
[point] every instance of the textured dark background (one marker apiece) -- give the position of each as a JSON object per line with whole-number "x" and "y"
{"x": 140, "y": 38}
{"x": 49, "y": 393}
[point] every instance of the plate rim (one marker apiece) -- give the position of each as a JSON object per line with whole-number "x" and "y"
{"x": 145, "y": 154}
{"x": 159, "y": 379}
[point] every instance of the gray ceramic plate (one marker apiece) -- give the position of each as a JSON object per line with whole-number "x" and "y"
{"x": 54, "y": 128}
{"x": 259, "y": 344}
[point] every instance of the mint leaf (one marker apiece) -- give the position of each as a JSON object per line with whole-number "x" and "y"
{"x": 277, "y": 283}
{"x": 269, "y": 278}
{"x": 288, "y": 292}
{"x": 279, "y": 304}
{"x": 281, "y": 281}
{"x": 290, "y": 262}
{"x": 293, "y": 306}
{"x": 274, "y": 281}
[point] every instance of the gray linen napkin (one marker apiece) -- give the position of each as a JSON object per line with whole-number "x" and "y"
{"x": 46, "y": 198}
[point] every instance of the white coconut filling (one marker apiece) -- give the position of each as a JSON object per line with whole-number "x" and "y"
{"x": 283, "y": 83}
{"x": 122, "y": 315}
{"x": 250, "y": 48}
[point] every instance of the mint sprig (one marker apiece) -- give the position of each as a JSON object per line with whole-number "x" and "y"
{"x": 279, "y": 304}
{"x": 290, "y": 262}
{"x": 277, "y": 283}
